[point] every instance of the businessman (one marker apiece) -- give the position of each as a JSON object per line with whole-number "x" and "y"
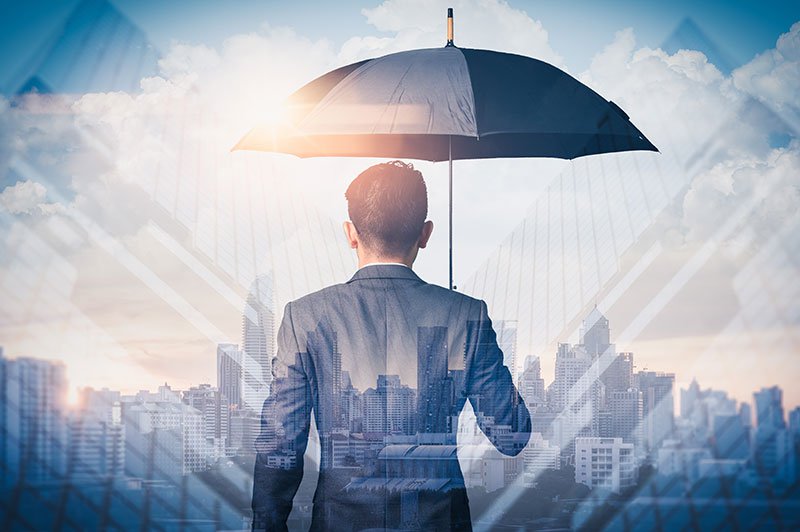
{"x": 385, "y": 363}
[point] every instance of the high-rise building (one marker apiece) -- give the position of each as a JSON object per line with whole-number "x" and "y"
{"x": 571, "y": 364}
{"x": 769, "y": 408}
{"x": 507, "y": 341}
{"x": 163, "y": 439}
{"x": 699, "y": 407}
{"x": 773, "y": 453}
{"x": 619, "y": 374}
{"x": 390, "y": 407}
{"x": 794, "y": 422}
{"x": 258, "y": 343}
{"x": 606, "y": 463}
{"x": 96, "y": 436}
{"x": 433, "y": 399}
{"x": 690, "y": 399}
{"x": 576, "y": 393}
{"x": 326, "y": 346}
{"x": 531, "y": 383}
{"x": 539, "y": 455}
{"x": 229, "y": 373}
{"x": 245, "y": 429}
{"x": 746, "y": 413}
{"x": 33, "y": 394}
{"x": 216, "y": 414}
{"x": 731, "y": 439}
{"x": 626, "y": 415}
{"x": 675, "y": 459}
{"x": 658, "y": 406}
{"x": 595, "y": 334}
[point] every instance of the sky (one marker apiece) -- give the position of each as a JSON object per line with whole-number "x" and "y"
{"x": 107, "y": 268}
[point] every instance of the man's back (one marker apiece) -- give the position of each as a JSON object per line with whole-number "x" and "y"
{"x": 385, "y": 362}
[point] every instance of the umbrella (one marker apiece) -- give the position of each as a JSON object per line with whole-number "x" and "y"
{"x": 446, "y": 104}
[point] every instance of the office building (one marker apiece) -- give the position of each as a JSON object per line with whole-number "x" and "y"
{"x": 605, "y": 463}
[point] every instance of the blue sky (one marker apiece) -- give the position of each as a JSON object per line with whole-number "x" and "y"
{"x": 577, "y": 28}
{"x": 712, "y": 128}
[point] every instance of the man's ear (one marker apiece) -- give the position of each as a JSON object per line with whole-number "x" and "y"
{"x": 425, "y": 234}
{"x": 351, "y": 234}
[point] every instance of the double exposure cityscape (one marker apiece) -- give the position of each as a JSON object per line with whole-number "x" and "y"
{"x": 646, "y": 305}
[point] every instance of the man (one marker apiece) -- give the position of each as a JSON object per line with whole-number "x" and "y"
{"x": 385, "y": 362}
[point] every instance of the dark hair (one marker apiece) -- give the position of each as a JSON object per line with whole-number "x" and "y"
{"x": 388, "y": 204}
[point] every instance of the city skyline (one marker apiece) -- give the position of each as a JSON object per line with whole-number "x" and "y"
{"x": 646, "y": 303}
{"x": 644, "y": 238}
{"x": 605, "y": 428}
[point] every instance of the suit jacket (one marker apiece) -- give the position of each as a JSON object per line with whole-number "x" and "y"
{"x": 385, "y": 363}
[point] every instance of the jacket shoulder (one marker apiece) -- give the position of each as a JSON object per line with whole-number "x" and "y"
{"x": 313, "y": 299}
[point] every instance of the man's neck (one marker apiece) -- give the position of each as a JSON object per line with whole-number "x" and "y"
{"x": 367, "y": 260}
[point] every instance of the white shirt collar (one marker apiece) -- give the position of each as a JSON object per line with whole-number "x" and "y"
{"x": 385, "y": 264}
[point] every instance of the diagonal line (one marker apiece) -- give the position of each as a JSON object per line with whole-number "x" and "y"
{"x": 680, "y": 279}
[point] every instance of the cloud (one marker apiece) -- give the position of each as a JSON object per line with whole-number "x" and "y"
{"x": 714, "y": 195}
{"x": 722, "y": 137}
{"x": 26, "y": 197}
{"x": 126, "y": 159}
{"x": 487, "y": 24}
{"x": 773, "y": 76}
{"x": 679, "y": 101}
{"x": 23, "y": 197}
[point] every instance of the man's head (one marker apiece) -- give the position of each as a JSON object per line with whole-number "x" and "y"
{"x": 387, "y": 204}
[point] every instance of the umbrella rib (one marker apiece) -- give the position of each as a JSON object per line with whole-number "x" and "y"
{"x": 392, "y": 97}
{"x": 472, "y": 93}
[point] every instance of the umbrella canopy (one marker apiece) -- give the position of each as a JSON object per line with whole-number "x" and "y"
{"x": 450, "y": 103}
{"x": 421, "y": 104}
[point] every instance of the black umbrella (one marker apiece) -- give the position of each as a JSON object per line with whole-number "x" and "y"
{"x": 449, "y": 103}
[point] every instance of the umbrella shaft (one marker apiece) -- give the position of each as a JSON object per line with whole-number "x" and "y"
{"x": 450, "y": 217}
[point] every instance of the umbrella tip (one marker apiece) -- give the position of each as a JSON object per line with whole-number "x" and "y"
{"x": 450, "y": 26}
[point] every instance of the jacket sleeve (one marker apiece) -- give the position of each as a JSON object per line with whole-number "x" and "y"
{"x": 281, "y": 444}
{"x": 490, "y": 387}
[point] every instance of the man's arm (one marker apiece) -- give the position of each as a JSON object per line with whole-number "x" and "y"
{"x": 282, "y": 443}
{"x": 489, "y": 385}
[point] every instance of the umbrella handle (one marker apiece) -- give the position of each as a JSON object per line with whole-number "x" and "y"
{"x": 450, "y": 26}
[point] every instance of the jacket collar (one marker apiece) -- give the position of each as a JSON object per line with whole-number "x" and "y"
{"x": 385, "y": 271}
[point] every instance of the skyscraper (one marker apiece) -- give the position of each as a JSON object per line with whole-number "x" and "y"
{"x": 576, "y": 393}
{"x": 769, "y": 408}
{"x": 258, "y": 343}
{"x": 214, "y": 408}
{"x": 33, "y": 394}
{"x": 507, "y": 341}
{"x": 163, "y": 439}
{"x": 595, "y": 333}
{"x": 433, "y": 399}
{"x": 229, "y": 373}
{"x": 619, "y": 374}
{"x": 746, "y": 413}
{"x": 96, "y": 436}
{"x": 731, "y": 439}
{"x": 389, "y": 408}
{"x": 626, "y": 416}
{"x": 531, "y": 383}
{"x": 658, "y": 406}
{"x": 773, "y": 449}
{"x": 794, "y": 422}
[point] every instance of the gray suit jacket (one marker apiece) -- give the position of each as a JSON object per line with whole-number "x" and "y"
{"x": 385, "y": 364}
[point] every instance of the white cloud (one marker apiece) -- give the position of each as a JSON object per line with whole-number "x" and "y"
{"x": 678, "y": 101}
{"x": 486, "y": 24}
{"x": 111, "y": 151}
{"x": 715, "y": 194}
{"x": 773, "y": 76}
{"x": 26, "y": 197}
{"x": 690, "y": 110}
